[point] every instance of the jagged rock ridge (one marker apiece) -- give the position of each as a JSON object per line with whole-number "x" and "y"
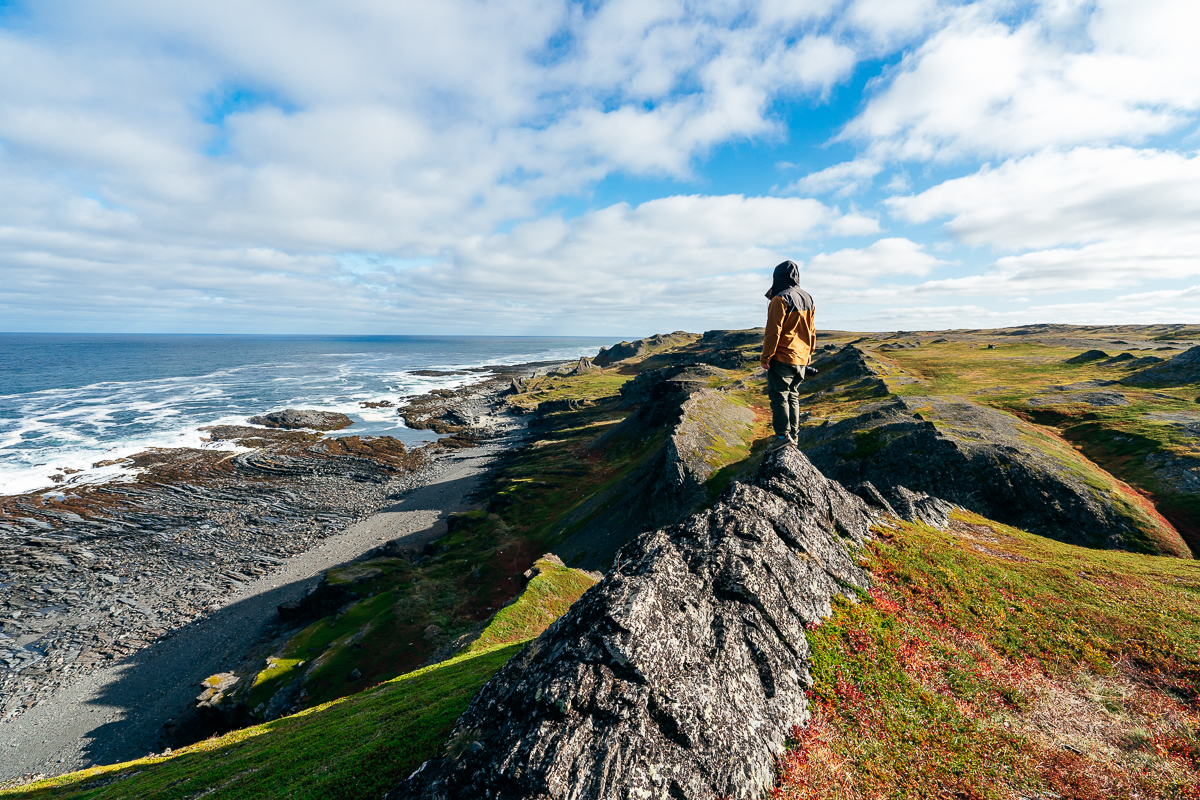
{"x": 680, "y": 674}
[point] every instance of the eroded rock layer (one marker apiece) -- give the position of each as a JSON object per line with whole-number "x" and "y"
{"x": 680, "y": 674}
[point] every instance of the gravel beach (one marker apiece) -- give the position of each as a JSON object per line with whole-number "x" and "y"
{"x": 116, "y": 605}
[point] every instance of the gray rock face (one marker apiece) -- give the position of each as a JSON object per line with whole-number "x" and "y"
{"x": 1183, "y": 368}
{"x": 842, "y": 369}
{"x": 711, "y": 423}
{"x": 293, "y": 418}
{"x": 584, "y": 365}
{"x": 681, "y": 673}
{"x": 983, "y": 460}
{"x": 906, "y": 504}
{"x": 655, "y": 384}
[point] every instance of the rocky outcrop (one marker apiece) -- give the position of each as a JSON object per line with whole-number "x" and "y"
{"x": 624, "y": 351}
{"x": 1086, "y": 357}
{"x": 843, "y": 369}
{"x": 654, "y": 384}
{"x": 1094, "y": 399}
{"x": 701, "y": 426}
{"x": 1183, "y": 368}
{"x": 585, "y": 365}
{"x": 725, "y": 339}
{"x": 681, "y": 673}
{"x": 730, "y": 349}
{"x": 991, "y": 463}
{"x": 619, "y": 352}
{"x": 903, "y": 503}
{"x": 293, "y": 418}
{"x": 711, "y": 425}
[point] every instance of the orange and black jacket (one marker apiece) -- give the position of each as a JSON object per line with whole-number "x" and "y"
{"x": 790, "y": 335}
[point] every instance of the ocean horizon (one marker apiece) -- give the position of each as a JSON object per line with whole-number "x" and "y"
{"x": 69, "y": 401}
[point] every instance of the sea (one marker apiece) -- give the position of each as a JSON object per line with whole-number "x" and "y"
{"x": 71, "y": 401}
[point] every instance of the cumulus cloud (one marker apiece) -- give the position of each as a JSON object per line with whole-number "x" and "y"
{"x": 376, "y": 165}
{"x": 1090, "y": 219}
{"x": 886, "y": 257}
{"x": 1054, "y": 198}
{"x": 846, "y": 178}
{"x": 1070, "y": 74}
{"x": 692, "y": 259}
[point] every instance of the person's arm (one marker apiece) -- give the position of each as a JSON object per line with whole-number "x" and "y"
{"x": 812, "y": 327}
{"x": 775, "y": 313}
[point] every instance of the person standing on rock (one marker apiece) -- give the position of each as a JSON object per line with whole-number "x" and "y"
{"x": 787, "y": 348}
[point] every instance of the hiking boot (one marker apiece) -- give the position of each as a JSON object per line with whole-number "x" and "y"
{"x": 780, "y": 441}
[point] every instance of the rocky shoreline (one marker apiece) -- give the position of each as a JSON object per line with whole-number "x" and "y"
{"x": 93, "y": 575}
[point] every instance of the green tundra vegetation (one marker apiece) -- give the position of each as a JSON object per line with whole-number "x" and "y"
{"x": 1144, "y": 443}
{"x": 986, "y": 662}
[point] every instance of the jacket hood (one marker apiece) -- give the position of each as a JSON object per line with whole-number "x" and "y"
{"x": 785, "y": 284}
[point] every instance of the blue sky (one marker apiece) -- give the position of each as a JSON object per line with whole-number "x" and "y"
{"x": 612, "y": 168}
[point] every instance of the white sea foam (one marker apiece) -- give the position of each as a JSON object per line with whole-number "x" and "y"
{"x": 47, "y": 432}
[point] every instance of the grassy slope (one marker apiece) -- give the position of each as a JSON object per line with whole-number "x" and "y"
{"x": 548, "y": 596}
{"x": 476, "y": 568}
{"x": 1118, "y": 440}
{"x": 988, "y": 662}
{"x": 356, "y": 747}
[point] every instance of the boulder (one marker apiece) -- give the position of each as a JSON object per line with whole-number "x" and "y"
{"x": 679, "y": 675}
{"x": 292, "y": 418}
{"x": 585, "y": 365}
{"x": 1090, "y": 355}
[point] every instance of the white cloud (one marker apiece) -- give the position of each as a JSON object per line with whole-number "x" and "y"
{"x": 886, "y": 257}
{"x": 682, "y": 260}
{"x": 847, "y": 178}
{"x": 1070, "y": 74}
{"x": 383, "y": 126}
{"x": 257, "y": 163}
{"x": 1054, "y": 198}
{"x": 890, "y": 20}
{"x": 1091, "y": 219}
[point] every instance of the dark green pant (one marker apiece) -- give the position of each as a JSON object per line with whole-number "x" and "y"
{"x": 783, "y": 387}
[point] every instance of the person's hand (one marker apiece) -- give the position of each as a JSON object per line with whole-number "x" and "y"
{"x": 764, "y": 363}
